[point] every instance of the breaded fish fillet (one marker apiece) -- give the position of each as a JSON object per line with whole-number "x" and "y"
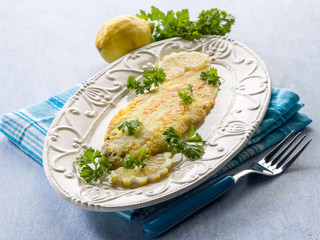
{"x": 158, "y": 110}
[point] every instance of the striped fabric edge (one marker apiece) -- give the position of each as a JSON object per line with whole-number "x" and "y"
{"x": 26, "y": 138}
{"x": 33, "y": 121}
{"x": 282, "y": 101}
{"x": 257, "y": 137}
{"x": 16, "y": 130}
{"x": 25, "y": 130}
{"x": 21, "y": 145}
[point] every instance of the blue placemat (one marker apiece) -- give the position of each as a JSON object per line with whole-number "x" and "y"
{"x": 27, "y": 128}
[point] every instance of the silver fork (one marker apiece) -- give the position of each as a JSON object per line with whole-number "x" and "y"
{"x": 277, "y": 161}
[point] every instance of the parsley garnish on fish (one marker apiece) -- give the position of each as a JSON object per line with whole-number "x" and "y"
{"x": 151, "y": 76}
{"x": 211, "y": 76}
{"x": 210, "y": 22}
{"x": 92, "y": 165}
{"x": 131, "y": 163}
{"x": 130, "y": 125}
{"x": 187, "y": 97}
{"x": 192, "y": 147}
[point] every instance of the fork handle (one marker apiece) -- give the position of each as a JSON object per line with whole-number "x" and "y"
{"x": 177, "y": 213}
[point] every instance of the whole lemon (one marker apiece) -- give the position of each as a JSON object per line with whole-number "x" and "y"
{"x": 121, "y": 35}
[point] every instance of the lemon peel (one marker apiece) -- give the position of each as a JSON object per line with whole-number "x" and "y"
{"x": 157, "y": 167}
{"x": 121, "y": 35}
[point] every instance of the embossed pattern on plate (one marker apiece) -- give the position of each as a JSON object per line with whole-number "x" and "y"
{"x": 240, "y": 106}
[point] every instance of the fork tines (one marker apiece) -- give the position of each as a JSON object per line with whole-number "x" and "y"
{"x": 282, "y": 160}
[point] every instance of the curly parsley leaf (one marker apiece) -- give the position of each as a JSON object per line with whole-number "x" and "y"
{"x": 92, "y": 165}
{"x": 215, "y": 22}
{"x": 151, "y": 77}
{"x": 131, "y": 163}
{"x": 130, "y": 125}
{"x": 211, "y": 76}
{"x": 187, "y": 97}
{"x": 178, "y": 24}
{"x": 192, "y": 147}
{"x": 135, "y": 85}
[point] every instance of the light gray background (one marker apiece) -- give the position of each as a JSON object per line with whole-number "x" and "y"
{"x": 48, "y": 46}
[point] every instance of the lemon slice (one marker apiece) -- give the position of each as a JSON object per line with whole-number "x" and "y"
{"x": 157, "y": 167}
{"x": 176, "y": 64}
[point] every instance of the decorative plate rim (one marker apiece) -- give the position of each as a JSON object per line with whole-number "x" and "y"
{"x": 94, "y": 197}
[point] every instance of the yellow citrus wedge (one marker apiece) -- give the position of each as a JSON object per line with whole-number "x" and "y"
{"x": 156, "y": 168}
{"x": 176, "y": 64}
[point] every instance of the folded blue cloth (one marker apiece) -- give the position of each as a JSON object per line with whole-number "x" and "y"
{"x": 27, "y": 128}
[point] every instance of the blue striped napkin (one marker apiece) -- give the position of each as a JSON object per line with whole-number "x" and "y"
{"x": 27, "y": 128}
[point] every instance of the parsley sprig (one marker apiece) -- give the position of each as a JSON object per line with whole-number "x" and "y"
{"x": 131, "y": 163}
{"x": 213, "y": 22}
{"x": 192, "y": 147}
{"x": 211, "y": 76}
{"x": 92, "y": 165}
{"x": 151, "y": 76}
{"x": 131, "y": 126}
{"x": 187, "y": 97}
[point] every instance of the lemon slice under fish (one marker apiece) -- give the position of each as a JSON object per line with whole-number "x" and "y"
{"x": 157, "y": 167}
{"x": 176, "y": 64}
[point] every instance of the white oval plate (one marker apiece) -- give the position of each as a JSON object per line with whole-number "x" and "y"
{"x": 240, "y": 106}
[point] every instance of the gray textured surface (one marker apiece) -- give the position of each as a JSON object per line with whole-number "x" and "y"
{"x": 48, "y": 46}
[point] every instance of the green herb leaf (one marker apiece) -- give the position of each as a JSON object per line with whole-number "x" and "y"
{"x": 92, "y": 165}
{"x": 143, "y": 15}
{"x": 131, "y": 163}
{"x": 213, "y": 21}
{"x": 104, "y": 163}
{"x": 192, "y": 147}
{"x": 130, "y": 125}
{"x": 151, "y": 76}
{"x": 186, "y": 97}
{"x": 211, "y": 76}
